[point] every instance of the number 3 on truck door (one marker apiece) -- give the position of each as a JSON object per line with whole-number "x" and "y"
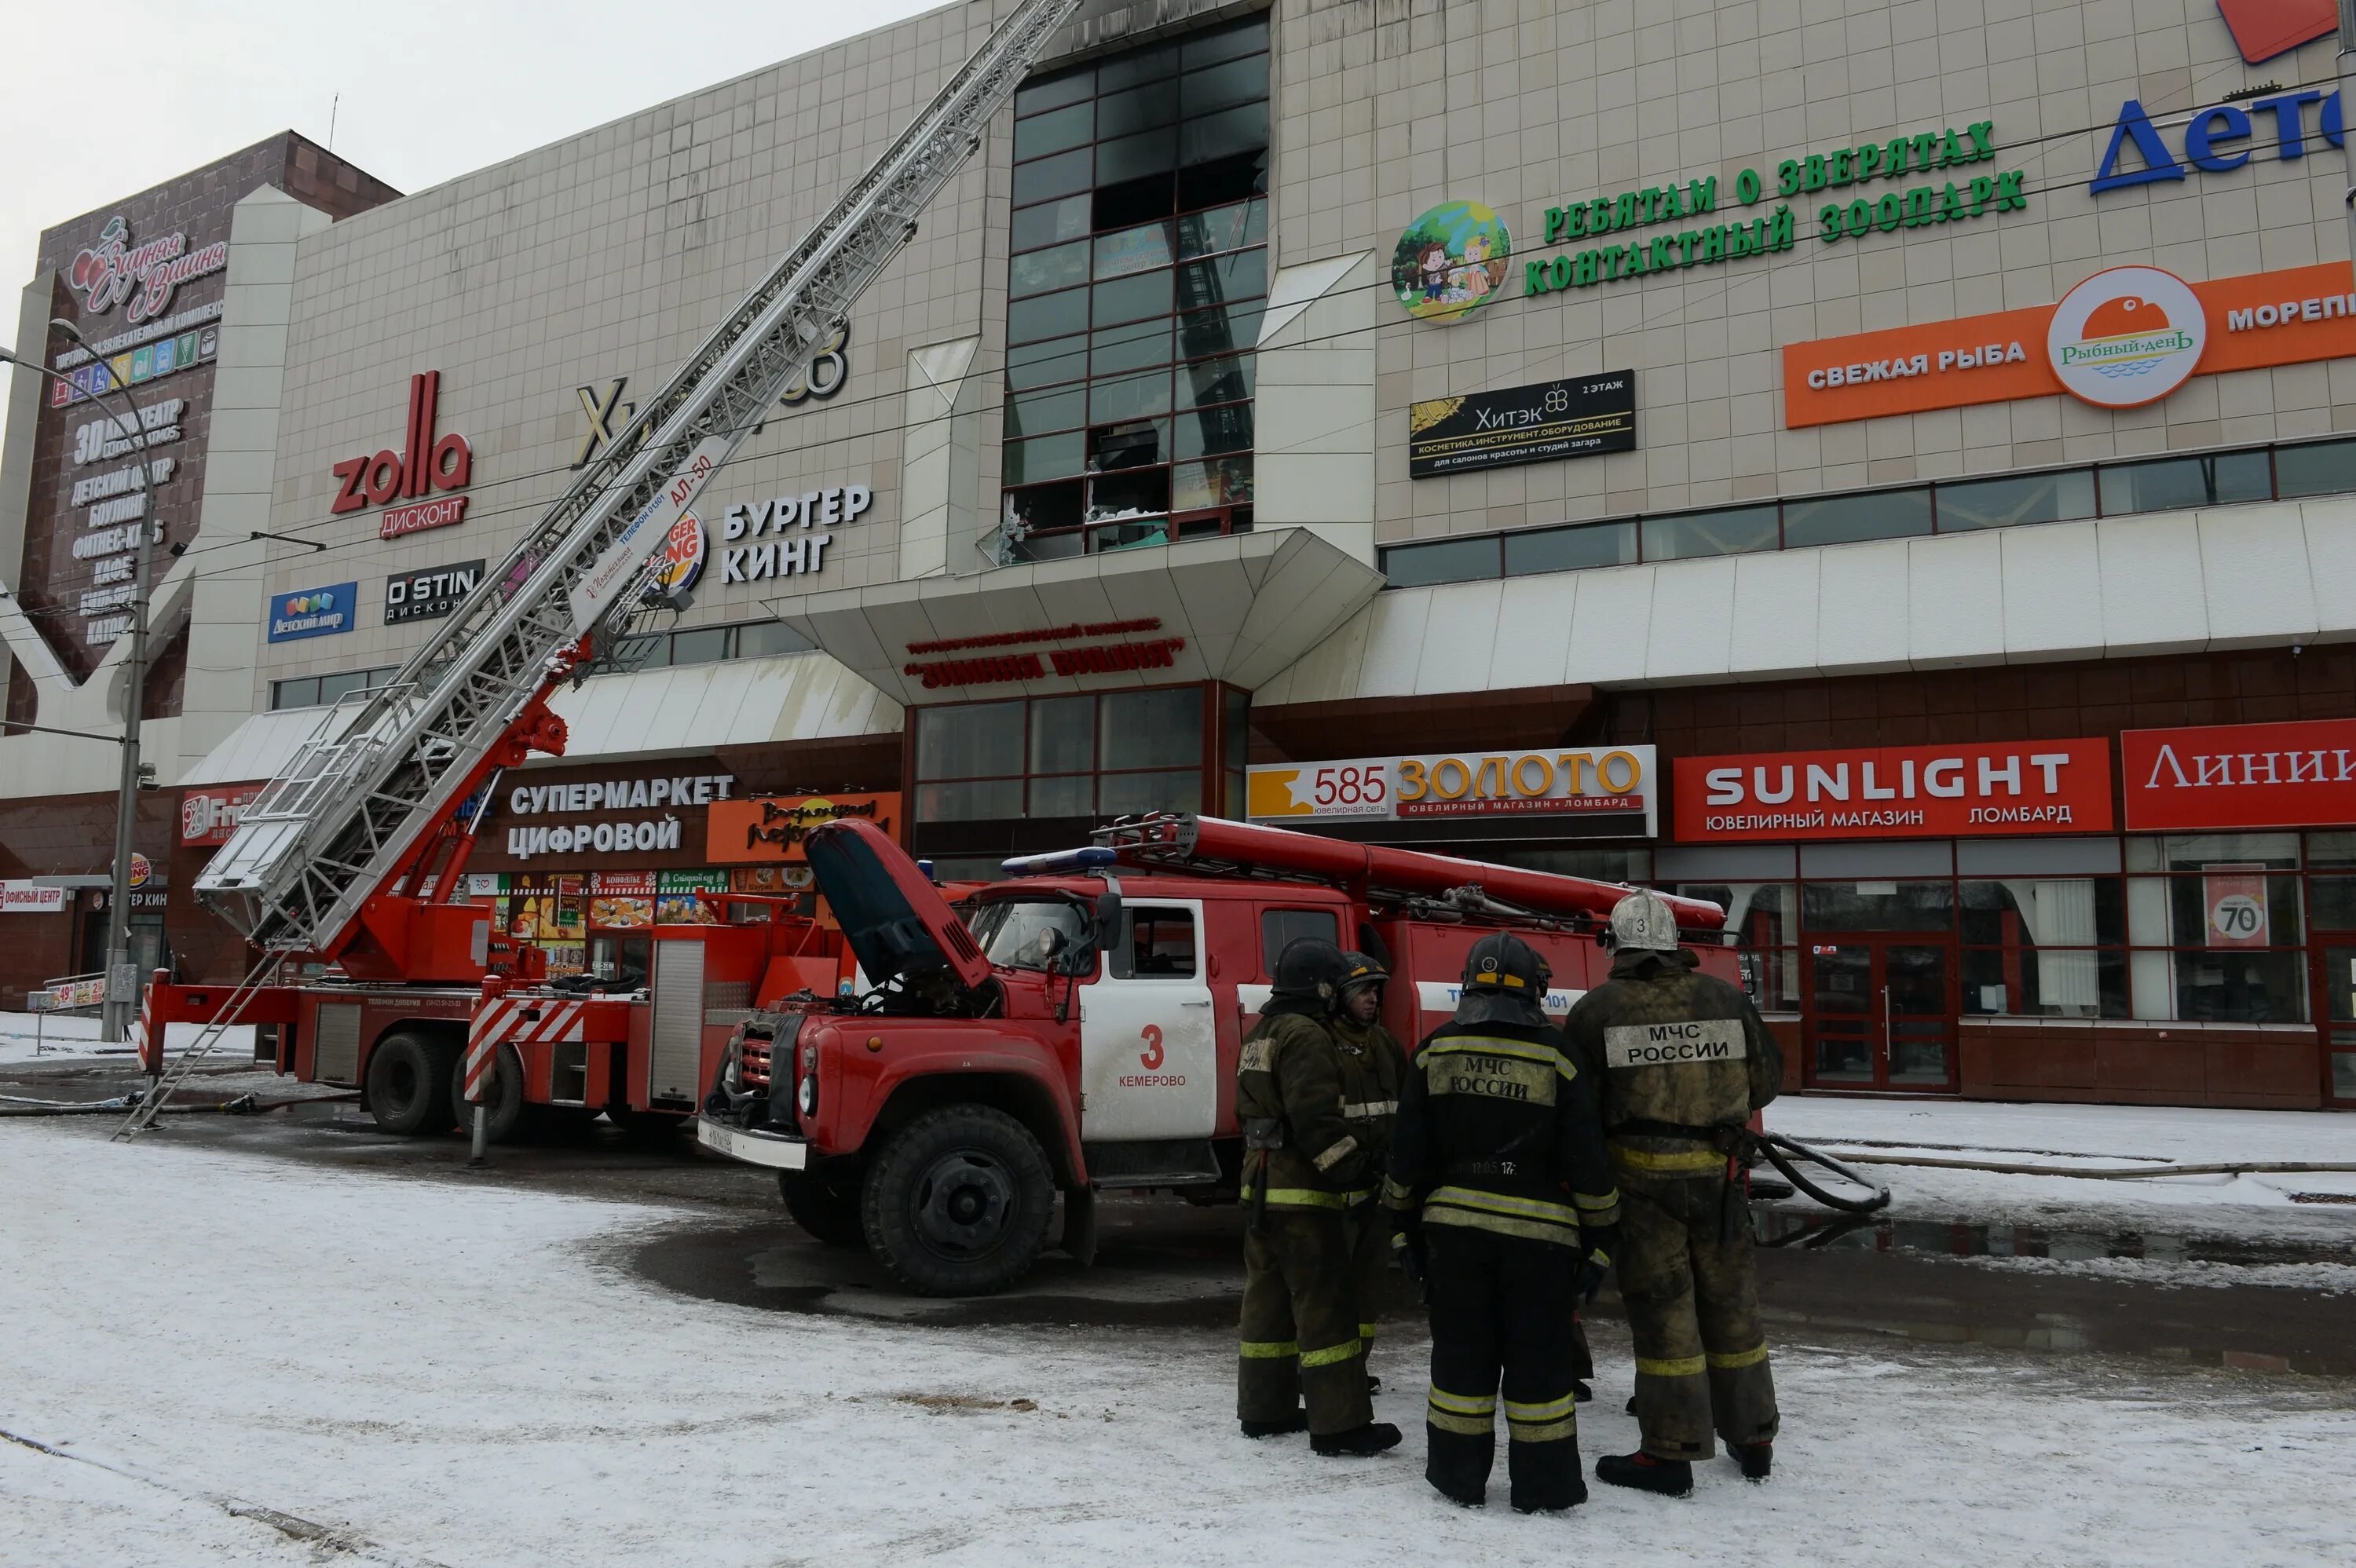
{"x": 1149, "y": 1052}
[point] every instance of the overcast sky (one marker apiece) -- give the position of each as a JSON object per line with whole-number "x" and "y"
{"x": 108, "y": 99}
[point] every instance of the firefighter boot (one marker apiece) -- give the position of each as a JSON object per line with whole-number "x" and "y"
{"x": 1669, "y": 1477}
{"x": 1375, "y": 1438}
{"x": 1297, "y": 1422}
{"x": 1757, "y": 1459}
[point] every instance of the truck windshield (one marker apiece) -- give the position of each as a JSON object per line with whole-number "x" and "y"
{"x": 1017, "y": 933}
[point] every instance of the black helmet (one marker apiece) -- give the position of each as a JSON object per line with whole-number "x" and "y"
{"x": 1309, "y": 970}
{"x": 1364, "y": 970}
{"x": 1504, "y": 961}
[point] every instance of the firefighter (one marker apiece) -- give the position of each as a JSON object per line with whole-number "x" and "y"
{"x": 1685, "y": 1061}
{"x": 1307, "y": 1179}
{"x": 1506, "y": 1213}
{"x": 1372, "y": 1060}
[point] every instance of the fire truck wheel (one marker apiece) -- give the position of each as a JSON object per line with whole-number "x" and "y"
{"x": 503, "y": 1092}
{"x": 958, "y": 1201}
{"x": 825, "y": 1202}
{"x": 409, "y": 1084}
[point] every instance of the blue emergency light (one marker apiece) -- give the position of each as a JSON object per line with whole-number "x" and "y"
{"x": 1059, "y": 862}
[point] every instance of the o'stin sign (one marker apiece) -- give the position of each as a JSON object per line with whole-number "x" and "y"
{"x": 2127, "y": 336}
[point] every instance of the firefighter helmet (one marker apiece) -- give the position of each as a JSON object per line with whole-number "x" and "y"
{"x": 1311, "y": 969}
{"x": 1504, "y": 961}
{"x": 1364, "y": 970}
{"x": 1643, "y": 922}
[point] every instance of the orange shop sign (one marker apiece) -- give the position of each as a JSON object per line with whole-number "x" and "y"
{"x": 2125, "y": 337}
{"x": 772, "y": 828}
{"x": 1895, "y": 792}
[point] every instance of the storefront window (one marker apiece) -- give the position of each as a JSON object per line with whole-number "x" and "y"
{"x": 2173, "y": 484}
{"x": 1117, "y": 755}
{"x": 1761, "y": 915}
{"x": 1844, "y": 519}
{"x": 2331, "y": 888}
{"x": 1878, "y": 905}
{"x": 2031, "y": 946}
{"x": 1737, "y": 531}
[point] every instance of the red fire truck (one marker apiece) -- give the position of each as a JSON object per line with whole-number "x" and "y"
{"x": 628, "y": 1039}
{"x": 1077, "y": 1027}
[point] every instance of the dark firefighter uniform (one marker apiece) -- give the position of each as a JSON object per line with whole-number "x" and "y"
{"x": 1685, "y": 1061}
{"x": 1307, "y": 1180}
{"x": 1372, "y": 1061}
{"x": 1497, "y": 1177}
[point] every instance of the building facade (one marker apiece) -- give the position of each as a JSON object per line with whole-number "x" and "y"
{"x": 179, "y": 294}
{"x": 1849, "y": 467}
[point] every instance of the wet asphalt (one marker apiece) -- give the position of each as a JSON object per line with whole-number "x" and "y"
{"x": 1163, "y": 1262}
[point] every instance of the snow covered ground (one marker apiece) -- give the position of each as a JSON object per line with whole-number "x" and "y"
{"x": 2244, "y": 1206}
{"x": 445, "y": 1373}
{"x": 57, "y": 1037}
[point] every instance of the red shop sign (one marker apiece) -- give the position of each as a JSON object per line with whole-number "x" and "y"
{"x": 210, "y": 815}
{"x": 1894, "y": 791}
{"x": 2299, "y": 775}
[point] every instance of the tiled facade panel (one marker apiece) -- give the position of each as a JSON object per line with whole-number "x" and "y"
{"x": 1386, "y": 110}
{"x": 2011, "y": 702}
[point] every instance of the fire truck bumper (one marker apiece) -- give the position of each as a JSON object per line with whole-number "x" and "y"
{"x": 776, "y": 1150}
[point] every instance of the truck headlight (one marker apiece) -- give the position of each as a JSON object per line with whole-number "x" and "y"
{"x": 807, "y": 1096}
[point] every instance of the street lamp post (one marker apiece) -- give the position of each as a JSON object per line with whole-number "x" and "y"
{"x": 122, "y": 981}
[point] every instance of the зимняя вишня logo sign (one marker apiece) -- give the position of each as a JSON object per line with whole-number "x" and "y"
{"x": 2127, "y": 336}
{"x": 1450, "y": 260}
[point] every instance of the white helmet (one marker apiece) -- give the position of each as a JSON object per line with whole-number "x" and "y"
{"x": 1642, "y": 921}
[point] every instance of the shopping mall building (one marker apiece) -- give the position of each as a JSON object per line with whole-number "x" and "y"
{"x": 1894, "y": 475}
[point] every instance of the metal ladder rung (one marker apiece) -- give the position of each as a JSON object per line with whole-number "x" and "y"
{"x": 168, "y": 1081}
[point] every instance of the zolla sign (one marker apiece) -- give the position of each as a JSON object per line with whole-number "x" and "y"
{"x": 1943, "y": 200}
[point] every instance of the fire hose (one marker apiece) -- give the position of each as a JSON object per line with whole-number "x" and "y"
{"x": 243, "y": 1105}
{"x": 1787, "y": 1155}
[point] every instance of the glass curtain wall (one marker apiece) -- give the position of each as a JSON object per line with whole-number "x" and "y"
{"x": 1138, "y": 275}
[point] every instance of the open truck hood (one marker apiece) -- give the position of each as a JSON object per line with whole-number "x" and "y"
{"x": 895, "y": 920}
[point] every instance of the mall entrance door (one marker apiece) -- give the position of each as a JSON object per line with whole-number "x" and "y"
{"x": 2335, "y": 1006}
{"x": 1881, "y": 1014}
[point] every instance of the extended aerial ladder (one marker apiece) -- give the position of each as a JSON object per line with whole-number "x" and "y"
{"x": 1210, "y": 846}
{"x": 332, "y": 859}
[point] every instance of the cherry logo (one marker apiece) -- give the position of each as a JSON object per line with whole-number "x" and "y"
{"x": 424, "y": 463}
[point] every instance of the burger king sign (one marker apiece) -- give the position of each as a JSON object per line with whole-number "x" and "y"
{"x": 681, "y": 561}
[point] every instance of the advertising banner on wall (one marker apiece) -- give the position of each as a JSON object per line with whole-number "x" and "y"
{"x": 30, "y": 898}
{"x": 2297, "y": 774}
{"x": 1581, "y": 417}
{"x": 621, "y": 901}
{"x": 312, "y": 612}
{"x": 2235, "y": 898}
{"x": 773, "y": 828}
{"x": 674, "y": 899}
{"x": 211, "y": 815}
{"x": 1896, "y": 791}
{"x": 2122, "y": 337}
{"x": 1613, "y": 787}
{"x": 145, "y": 280}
